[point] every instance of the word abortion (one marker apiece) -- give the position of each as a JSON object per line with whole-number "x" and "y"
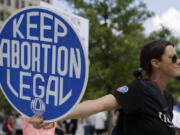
{"x": 32, "y": 60}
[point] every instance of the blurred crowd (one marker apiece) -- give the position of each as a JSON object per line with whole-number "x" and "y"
{"x": 93, "y": 125}
{"x": 96, "y": 124}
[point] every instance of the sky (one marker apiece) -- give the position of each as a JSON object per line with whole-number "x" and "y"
{"x": 167, "y": 13}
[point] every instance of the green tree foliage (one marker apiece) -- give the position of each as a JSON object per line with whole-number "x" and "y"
{"x": 4, "y": 14}
{"x": 116, "y": 34}
{"x": 164, "y": 33}
{"x": 4, "y": 105}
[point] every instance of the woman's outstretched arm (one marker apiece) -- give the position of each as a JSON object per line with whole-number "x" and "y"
{"x": 90, "y": 107}
{"x": 84, "y": 109}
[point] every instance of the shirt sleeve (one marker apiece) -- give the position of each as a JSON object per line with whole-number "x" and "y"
{"x": 130, "y": 97}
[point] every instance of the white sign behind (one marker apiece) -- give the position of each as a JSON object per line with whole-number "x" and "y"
{"x": 81, "y": 24}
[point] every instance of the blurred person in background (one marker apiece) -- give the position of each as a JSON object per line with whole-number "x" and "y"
{"x": 9, "y": 126}
{"x": 115, "y": 117}
{"x": 73, "y": 126}
{"x": 60, "y": 128}
{"x": 88, "y": 124}
{"x": 99, "y": 123}
{"x": 18, "y": 125}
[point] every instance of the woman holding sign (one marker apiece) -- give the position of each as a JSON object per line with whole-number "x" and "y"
{"x": 144, "y": 104}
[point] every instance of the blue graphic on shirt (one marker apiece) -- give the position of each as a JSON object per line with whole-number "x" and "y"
{"x": 123, "y": 89}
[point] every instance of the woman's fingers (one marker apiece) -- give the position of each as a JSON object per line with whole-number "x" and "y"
{"x": 37, "y": 121}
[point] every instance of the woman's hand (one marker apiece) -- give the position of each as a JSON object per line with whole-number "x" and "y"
{"x": 37, "y": 121}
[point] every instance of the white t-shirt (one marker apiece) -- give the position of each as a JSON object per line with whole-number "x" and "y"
{"x": 18, "y": 123}
{"x": 100, "y": 119}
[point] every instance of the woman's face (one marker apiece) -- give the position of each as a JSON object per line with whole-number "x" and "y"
{"x": 167, "y": 66}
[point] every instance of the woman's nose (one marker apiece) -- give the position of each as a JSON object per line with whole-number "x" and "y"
{"x": 178, "y": 61}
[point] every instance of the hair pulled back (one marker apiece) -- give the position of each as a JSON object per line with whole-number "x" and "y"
{"x": 151, "y": 50}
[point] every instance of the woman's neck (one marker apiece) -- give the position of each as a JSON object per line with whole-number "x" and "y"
{"x": 159, "y": 82}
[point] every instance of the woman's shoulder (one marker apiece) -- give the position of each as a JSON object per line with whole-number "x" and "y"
{"x": 135, "y": 83}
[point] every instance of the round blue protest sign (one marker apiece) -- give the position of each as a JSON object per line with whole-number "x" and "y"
{"x": 43, "y": 65}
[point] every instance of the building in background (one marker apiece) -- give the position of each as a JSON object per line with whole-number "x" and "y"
{"x": 7, "y": 7}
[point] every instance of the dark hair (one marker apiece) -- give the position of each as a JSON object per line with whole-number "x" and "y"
{"x": 151, "y": 50}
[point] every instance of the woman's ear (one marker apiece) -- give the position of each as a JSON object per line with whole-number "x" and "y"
{"x": 155, "y": 63}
